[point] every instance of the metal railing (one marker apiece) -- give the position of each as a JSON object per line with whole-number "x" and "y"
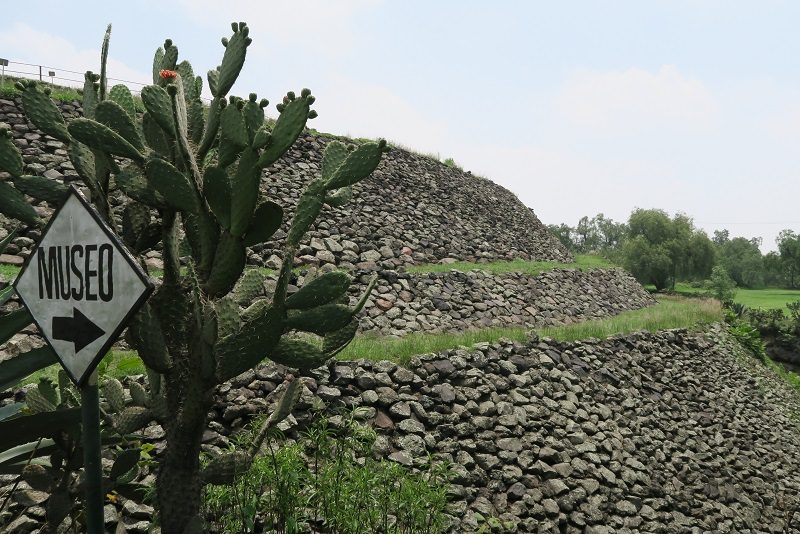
{"x": 44, "y": 73}
{"x": 58, "y": 75}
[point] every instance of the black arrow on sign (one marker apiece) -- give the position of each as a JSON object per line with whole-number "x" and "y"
{"x": 77, "y": 329}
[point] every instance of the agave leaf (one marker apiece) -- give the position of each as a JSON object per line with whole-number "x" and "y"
{"x": 14, "y": 370}
{"x": 41, "y": 425}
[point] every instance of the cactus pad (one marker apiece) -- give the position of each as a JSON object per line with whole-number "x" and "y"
{"x": 158, "y": 104}
{"x": 224, "y": 468}
{"x": 103, "y": 138}
{"x": 122, "y": 96}
{"x": 13, "y": 204}
{"x": 298, "y": 353}
{"x": 114, "y": 394}
{"x": 115, "y": 117}
{"x": 10, "y": 158}
{"x": 323, "y": 290}
{"x": 357, "y": 165}
{"x": 232, "y": 60}
{"x": 243, "y": 350}
{"x": 287, "y": 129}
{"x": 43, "y": 112}
{"x": 229, "y": 261}
{"x": 266, "y": 221}
{"x": 174, "y": 186}
{"x": 321, "y": 319}
{"x": 42, "y": 188}
{"x": 132, "y": 419}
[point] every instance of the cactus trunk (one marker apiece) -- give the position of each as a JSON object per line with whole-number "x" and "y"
{"x": 178, "y": 483}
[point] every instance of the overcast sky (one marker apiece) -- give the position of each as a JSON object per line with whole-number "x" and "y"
{"x": 578, "y": 107}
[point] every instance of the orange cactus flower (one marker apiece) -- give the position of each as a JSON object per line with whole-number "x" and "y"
{"x": 167, "y": 74}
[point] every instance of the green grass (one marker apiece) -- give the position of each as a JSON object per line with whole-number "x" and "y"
{"x": 670, "y": 312}
{"x": 752, "y": 298}
{"x": 791, "y": 378}
{"x": 58, "y": 93}
{"x": 401, "y": 350}
{"x": 116, "y": 365}
{"x": 583, "y": 262}
{"x": 8, "y": 272}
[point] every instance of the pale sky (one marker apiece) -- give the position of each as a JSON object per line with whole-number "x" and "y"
{"x": 578, "y": 107}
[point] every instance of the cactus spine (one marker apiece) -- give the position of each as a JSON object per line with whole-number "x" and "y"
{"x": 201, "y": 175}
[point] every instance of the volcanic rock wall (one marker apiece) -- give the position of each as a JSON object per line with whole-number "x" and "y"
{"x": 668, "y": 432}
{"x": 455, "y": 301}
{"x": 413, "y": 209}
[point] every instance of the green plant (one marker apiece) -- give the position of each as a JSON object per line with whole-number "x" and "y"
{"x": 721, "y": 285}
{"x": 749, "y": 337}
{"x": 41, "y": 444}
{"x": 327, "y": 481}
{"x": 200, "y": 172}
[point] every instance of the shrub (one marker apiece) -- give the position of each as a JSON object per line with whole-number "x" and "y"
{"x": 721, "y": 285}
{"x": 327, "y": 479}
{"x": 750, "y": 338}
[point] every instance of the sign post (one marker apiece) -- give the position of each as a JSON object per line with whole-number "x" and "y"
{"x": 82, "y": 287}
{"x": 3, "y": 65}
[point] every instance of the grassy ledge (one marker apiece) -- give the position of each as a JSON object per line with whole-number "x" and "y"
{"x": 58, "y": 93}
{"x": 669, "y": 312}
{"x": 402, "y": 350}
{"x": 583, "y": 262}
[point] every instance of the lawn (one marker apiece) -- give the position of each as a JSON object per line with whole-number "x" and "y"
{"x": 753, "y": 298}
{"x": 584, "y": 262}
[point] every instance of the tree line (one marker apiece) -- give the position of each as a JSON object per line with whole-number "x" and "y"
{"x": 660, "y": 249}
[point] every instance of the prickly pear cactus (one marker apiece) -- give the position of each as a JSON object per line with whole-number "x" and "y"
{"x": 196, "y": 173}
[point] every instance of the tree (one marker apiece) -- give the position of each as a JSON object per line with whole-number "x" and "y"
{"x": 649, "y": 263}
{"x": 789, "y": 249}
{"x": 722, "y": 285}
{"x": 742, "y": 259}
{"x": 721, "y": 237}
{"x": 563, "y": 233}
{"x": 611, "y": 233}
{"x": 660, "y": 249}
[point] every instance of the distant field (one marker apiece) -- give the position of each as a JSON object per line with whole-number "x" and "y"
{"x": 586, "y": 261}
{"x": 753, "y": 298}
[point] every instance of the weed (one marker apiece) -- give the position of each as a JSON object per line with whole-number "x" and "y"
{"x": 327, "y": 479}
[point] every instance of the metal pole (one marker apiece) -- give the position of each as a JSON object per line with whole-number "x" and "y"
{"x": 40, "y": 73}
{"x": 93, "y": 471}
{"x": 2, "y": 74}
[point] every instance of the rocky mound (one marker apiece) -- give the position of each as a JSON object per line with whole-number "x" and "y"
{"x": 667, "y": 432}
{"x": 456, "y": 301}
{"x": 413, "y": 209}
